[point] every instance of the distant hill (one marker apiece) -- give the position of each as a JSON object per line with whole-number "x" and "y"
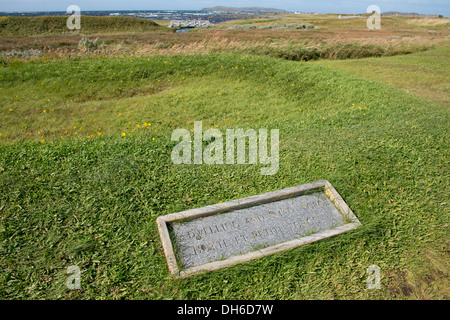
{"x": 245, "y": 9}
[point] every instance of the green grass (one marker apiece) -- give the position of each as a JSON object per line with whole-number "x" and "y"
{"x": 423, "y": 74}
{"x": 45, "y": 25}
{"x": 332, "y": 21}
{"x": 93, "y": 202}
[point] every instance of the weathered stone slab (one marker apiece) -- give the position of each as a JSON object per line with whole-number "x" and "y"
{"x": 217, "y": 236}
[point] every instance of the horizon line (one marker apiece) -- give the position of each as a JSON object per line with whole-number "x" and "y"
{"x": 286, "y": 11}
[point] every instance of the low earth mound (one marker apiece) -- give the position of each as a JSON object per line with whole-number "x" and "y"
{"x": 45, "y": 25}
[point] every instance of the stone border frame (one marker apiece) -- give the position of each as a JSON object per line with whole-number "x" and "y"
{"x": 322, "y": 185}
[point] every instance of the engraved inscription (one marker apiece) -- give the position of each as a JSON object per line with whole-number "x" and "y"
{"x": 236, "y": 232}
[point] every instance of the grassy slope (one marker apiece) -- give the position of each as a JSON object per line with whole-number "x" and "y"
{"x": 424, "y": 74}
{"x": 332, "y": 21}
{"x": 94, "y": 202}
{"x": 44, "y": 25}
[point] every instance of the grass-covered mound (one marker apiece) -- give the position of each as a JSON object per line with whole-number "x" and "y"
{"x": 45, "y": 25}
{"x": 85, "y": 170}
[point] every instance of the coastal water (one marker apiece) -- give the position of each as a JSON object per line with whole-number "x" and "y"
{"x": 183, "y": 30}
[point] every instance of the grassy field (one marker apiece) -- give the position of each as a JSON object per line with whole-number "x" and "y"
{"x": 85, "y": 170}
{"x": 424, "y": 74}
{"x": 92, "y": 200}
{"x": 332, "y": 38}
{"x": 56, "y": 25}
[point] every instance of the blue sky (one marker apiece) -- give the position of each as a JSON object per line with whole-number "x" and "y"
{"x": 323, "y": 6}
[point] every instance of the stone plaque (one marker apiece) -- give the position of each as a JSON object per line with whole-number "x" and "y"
{"x": 217, "y": 236}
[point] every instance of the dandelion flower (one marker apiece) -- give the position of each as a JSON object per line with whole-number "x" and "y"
{"x": 123, "y": 134}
